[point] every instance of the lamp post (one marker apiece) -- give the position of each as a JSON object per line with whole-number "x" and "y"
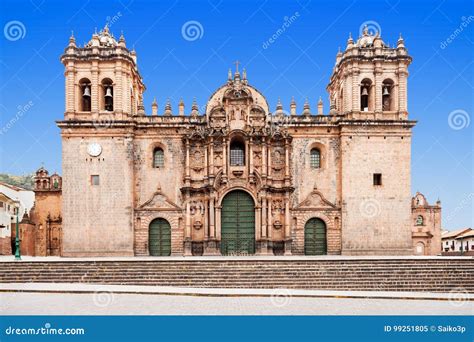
{"x": 17, "y": 238}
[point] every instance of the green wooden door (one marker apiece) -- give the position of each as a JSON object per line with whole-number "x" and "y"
{"x": 315, "y": 237}
{"x": 238, "y": 224}
{"x": 159, "y": 237}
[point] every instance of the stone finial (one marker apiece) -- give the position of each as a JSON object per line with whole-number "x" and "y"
{"x": 350, "y": 42}
{"x": 122, "y": 40}
{"x": 338, "y": 56}
{"x": 279, "y": 106}
{"x": 244, "y": 74}
{"x": 72, "y": 40}
{"x": 194, "y": 108}
{"x": 400, "y": 42}
{"x": 154, "y": 107}
{"x": 168, "y": 111}
{"x": 320, "y": 106}
{"x": 306, "y": 108}
{"x": 229, "y": 75}
{"x": 181, "y": 107}
{"x": 293, "y": 106}
{"x": 237, "y": 73}
{"x": 141, "y": 107}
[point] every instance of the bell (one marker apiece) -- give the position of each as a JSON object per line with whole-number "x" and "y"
{"x": 365, "y": 92}
{"x": 87, "y": 92}
{"x": 108, "y": 93}
{"x": 385, "y": 91}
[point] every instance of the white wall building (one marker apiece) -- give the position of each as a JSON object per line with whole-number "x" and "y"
{"x": 458, "y": 242}
{"x": 12, "y": 198}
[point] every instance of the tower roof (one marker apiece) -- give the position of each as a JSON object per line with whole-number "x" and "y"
{"x": 104, "y": 38}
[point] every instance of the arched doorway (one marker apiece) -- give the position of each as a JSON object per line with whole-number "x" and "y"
{"x": 159, "y": 237}
{"x": 315, "y": 237}
{"x": 238, "y": 223}
{"x": 420, "y": 248}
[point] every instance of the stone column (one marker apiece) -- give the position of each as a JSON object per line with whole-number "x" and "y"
{"x": 378, "y": 89}
{"x": 118, "y": 89}
{"x": 258, "y": 224}
{"x": 218, "y": 223}
{"x": 264, "y": 159}
{"x": 188, "y": 173}
{"x": 95, "y": 101}
{"x": 212, "y": 229}
{"x": 250, "y": 156}
{"x": 287, "y": 162}
{"x": 206, "y": 220}
{"x": 71, "y": 88}
{"x": 206, "y": 166}
{"x": 269, "y": 162}
{"x": 224, "y": 160}
{"x": 187, "y": 228}
{"x": 402, "y": 89}
{"x": 287, "y": 225}
{"x": 355, "y": 91}
{"x": 287, "y": 217}
{"x": 269, "y": 217}
{"x": 264, "y": 217}
{"x": 211, "y": 158}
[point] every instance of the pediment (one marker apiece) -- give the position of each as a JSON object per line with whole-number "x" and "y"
{"x": 316, "y": 200}
{"x": 159, "y": 201}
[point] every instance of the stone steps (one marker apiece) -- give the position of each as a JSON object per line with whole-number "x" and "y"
{"x": 433, "y": 275}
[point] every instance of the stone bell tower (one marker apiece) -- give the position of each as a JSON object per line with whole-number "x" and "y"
{"x": 103, "y": 96}
{"x": 102, "y": 79}
{"x": 369, "y": 80}
{"x": 368, "y": 94}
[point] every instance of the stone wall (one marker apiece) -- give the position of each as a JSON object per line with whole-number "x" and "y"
{"x": 98, "y": 219}
{"x": 376, "y": 219}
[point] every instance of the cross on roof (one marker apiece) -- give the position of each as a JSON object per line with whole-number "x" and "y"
{"x": 237, "y": 65}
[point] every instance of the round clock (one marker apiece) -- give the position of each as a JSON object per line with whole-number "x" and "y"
{"x": 94, "y": 149}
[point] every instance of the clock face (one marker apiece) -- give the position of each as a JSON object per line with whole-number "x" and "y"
{"x": 94, "y": 149}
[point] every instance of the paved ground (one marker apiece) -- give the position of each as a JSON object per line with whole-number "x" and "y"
{"x": 4, "y": 258}
{"x": 104, "y": 303}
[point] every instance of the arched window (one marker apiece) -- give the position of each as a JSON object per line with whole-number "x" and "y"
{"x": 108, "y": 95}
{"x": 158, "y": 157}
{"x": 85, "y": 96}
{"x": 365, "y": 95}
{"x": 419, "y": 220}
{"x": 387, "y": 98}
{"x": 237, "y": 153}
{"x": 315, "y": 158}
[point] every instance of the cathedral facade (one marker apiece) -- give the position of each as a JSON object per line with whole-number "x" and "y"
{"x": 237, "y": 178}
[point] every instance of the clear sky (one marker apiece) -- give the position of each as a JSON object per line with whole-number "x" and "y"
{"x": 177, "y": 62}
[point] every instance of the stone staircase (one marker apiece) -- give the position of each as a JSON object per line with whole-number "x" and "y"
{"x": 431, "y": 275}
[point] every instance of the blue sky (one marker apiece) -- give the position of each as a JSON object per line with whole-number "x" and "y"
{"x": 298, "y": 63}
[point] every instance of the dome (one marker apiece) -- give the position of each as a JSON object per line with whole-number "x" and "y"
{"x": 237, "y": 89}
{"x": 367, "y": 39}
{"x": 104, "y": 38}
